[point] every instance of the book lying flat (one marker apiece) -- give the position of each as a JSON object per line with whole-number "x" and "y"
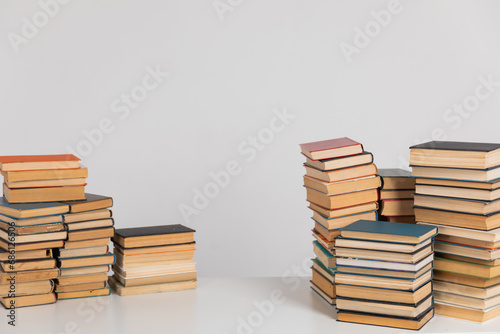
{"x": 467, "y": 291}
{"x": 31, "y": 246}
{"x": 153, "y": 236}
{"x": 381, "y": 246}
{"x": 67, "y": 272}
{"x": 83, "y": 294}
{"x": 32, "y": 238}
{"x": 190, "y": 246}
{"x": 26, "y": 265}
{"x": 153, "y": 288}
{"x": 466, "y": 268}
{"x": 341, "y": 187}
{"x": 490, "y": 235}
{"x": 81, "y": 286}
{"x": 462, "y": 279}
{"x": 383, "y": 282}
{"x": 457, "y": 204}
{"x": 386, "y": 321}
{"x": 91, "y": 234}
{"x": 467, "y": 251}
{"x": 26, "y": 255}
{"x": 458, "y": 219}
{"x": 46, "y": 174}
{"x": 464, "y": 193}
{"x": 90, "y": 202}
{"x": 87, "y": 215}
{"x": 82, "y": 252}
{"x": 341, "y": 162}
{"x": 36, "y": 162}
{"x": 90, "y": 224}
{"x": 332, "y": 148}
{"x": 155, "y": 279}
{"x": 458, "y": 174}
{"x": 30, "y": 210}
{"x": 465, "y": 301}
{"x": 28, "y": 288}
{"x": 33, "y": 229}
{"x": 51, "y": 194}
{"x": 323, "y": 255}
{"x": 385, "y": 308}
{"x": 20, "y": 222}
{"x": 87, "y": 261}
{"x": 322, "y": 294}
{"x": 325, "y": 285}
{"x": 345, "y": 211}
{"x": 328, "y": 273}
{"x": 155, "y": 270}
{"x": 466, "y": 313}
{"x": 493, "y": 185}
{"x": 341, "y": 174}
{"x": 31, "y": 300}
{"x": 369, "y": 254}
{"x": 396, "y": 178}
{"x": 77, "y": 279}
{"x": 329, "y": 245}
{"x": 385, "y": 264}
{"x": 46, "y": 183}
{"x": 384, "y": 272}
{"x": 396, "y": 207}
{"x": 29, "y": 276}
{"x": 340, "y": 201}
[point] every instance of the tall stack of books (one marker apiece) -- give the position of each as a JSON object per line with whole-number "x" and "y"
{"x": 342, "y": 187}
{"x": 384, "y": 273}
{"x": 28, "y": 233}
{"x": 396, "y": 195}
{"x": 153, "y": 259}
{"x": 457, "y": 190}
{"x": 85, "y": 259}
{"x": 43, "y": 178}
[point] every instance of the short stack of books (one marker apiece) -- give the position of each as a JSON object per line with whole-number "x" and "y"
{"x": 384, "y": 273}
{"x": 85, "y": 259}
{"x": 43, "y": 178}
{"x": 396, "y": 195}
{"x": 153, "y": 259}
{"x": 28, "y": 233}
{"x": 457, "y": 190}
{"x": 342, "y": 187}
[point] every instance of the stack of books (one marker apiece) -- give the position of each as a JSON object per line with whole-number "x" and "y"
{"x": 28, "y": 233}
{"x": 85, "y": 259}
{"x": 384, "y": 273}
{"x": 342, "y": 187}
{"x": 153, "y": 259}
{"x": 396, "y": 195}
{"x": 457, "y": 190}
{"x": 43, "y": 178}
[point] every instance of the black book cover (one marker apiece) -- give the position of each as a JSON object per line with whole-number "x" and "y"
{"x": 457, "y": 146}
{"x": 418, "y": 318}
{"x": 387, "y": 302}
{"x": 152, "y": 230}
{"x": 89, "y": 198}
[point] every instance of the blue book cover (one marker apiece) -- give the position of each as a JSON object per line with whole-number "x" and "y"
{"x": 30, "y": 210}
{"x": 374, "y": 228}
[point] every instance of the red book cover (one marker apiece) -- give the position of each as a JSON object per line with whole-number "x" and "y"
{"x": 37, "y": 158}
{"x": 336, "y": 147}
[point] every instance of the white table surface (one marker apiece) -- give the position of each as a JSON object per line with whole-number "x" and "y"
{"x": 215, "y": 306}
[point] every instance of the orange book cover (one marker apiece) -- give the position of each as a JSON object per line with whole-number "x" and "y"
{"x": 37, "y": 158}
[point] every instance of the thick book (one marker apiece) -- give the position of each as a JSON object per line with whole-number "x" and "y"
{"x": 26, "y": 255}
{"x": 385, "y": 308}
{"x": 155, "y": 270}
{"x": 90, "y": 224}
{"x": 47, "y": 194}
{"x": 459, "y": 184}
{"x": 341, "y": 187}
{"x": 467, "y": 251}
{"x": 467, "y": 291}
{"x": 376, "y": 264}
{"x": 83, "y": 293}
{"x": 466, "y": 313}
{"x": 458, "y": 219}
{"x": 466, "y": 268}
{"x": 323, "y": 255}
{"x": 31, "y": 221}
{"x": 190, "y": 246}
{"x": 27, "y": 265}
{"x": 383, "y": 282}
{"x": 465, "y": 301}
{"x": 153, "y": 236}
{"x": 345, "y": 211}
{"x": 341, "y": 174}
{"x": 82, "y": 252}
{"x": 370, "y": 254}
{"x": 399, "y": 219}
{"x": 136, "y": 261}
{"x": 33, "y": 238}
{"x": 396, "y": 194}
{"x": 91, "y": 234}
{"x": 465, "y": 193}
{"x": 332, "y": 148}
{"x": 396, "y": 178}
{"x": 87, "y": 215}
{"x": 455, "y": 154}
{"x": 69, "y": 272}
{"x": 46, "y": 174}
{"x": 342, "y": 162}
{"x": 86, "y": 243}
{"x": 77, "y": 279}
{"x": 458, "y": 174}
{"x": 327, "y": 286}
{"x": 87, "y": 261}
{"x": 396, "y": 207}
{"x": 323, "y": 295}
{"x": 335, "y": 202}
{"x": 156, "y": 279}
{"x": 338, "y": 222}
{"x": 35, "y": 162}
{"x": 384, "y": 272}
{"x": 46, "y": 183}
{"x": 462, "y": 279}
{"x": 28, "y": 276}
{"x": 30, "y": 210}
{"x": 381, "y": 246}
{"x": 31, "y": 300}
{"x": 457, "y": 204}
{"x": 31, "y": 245}
{"x": 481, "y": 244}
{"x": 390, "y": 232}
{"x": 28, "y": 288}
{"x": 81, "y": 286}
{"x": 328, "y": 273}
{"x": 386, "y": 321}
{"x": 33, "y": 229}
{"x": 90, "y": 202}
{"x": 153, "y": 288}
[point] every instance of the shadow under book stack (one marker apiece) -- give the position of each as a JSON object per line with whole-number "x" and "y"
{"x": 31, "y": 225}
{"x": 342, "y": 187}
{"x": 84, "y": 259}
{"x": 396, "y": 195}
{"x": 384, "y": 273}
{"x": 153, "y": 259}
{"x": 457, "y": 190}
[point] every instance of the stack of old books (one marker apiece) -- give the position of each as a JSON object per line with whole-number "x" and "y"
{"x": 85, "y": 259}
{"x": 384, "y": 272}
{"x": 342, "y": 187}
{"x": 153, "y": 259}
{"x": 457, "y": 190}
{"x": 28, "y": 233}
{"x": 396, "y": 195}
{"x": 42, "y": 178}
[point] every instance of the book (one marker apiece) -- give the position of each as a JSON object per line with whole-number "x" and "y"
{"x": 382, "y": 246}
{"x": 466, "y": 268}
{"x": 152, "y": 288}
{"x": 32, "y": 195}
{"x": 81, "y": 252}
{"x": 340, "y": 201}
{"x": 33, "y": 229}
{"x": 323, "y": 284}
{"x": 90, "y": 224}
{"x": 341, "y": 162}
{"x": 369, "y": 254}
{"x": 341, "y": 187}
{"x": 464, "y": 193}
{"x": 86, "y": 243}
{"x": 474, "y": 303}
{"x": 328, "y": 273}
{"x": 493, "y": 185}
{"x": 379, "y": 294}
{"x": 479, "y": 175}
{"x": 31, "y": 300}
{"x": 87, "y": 261}
{"x": 332, "y": 148}
{"x": 30, "y": 210}
{"x": 66, "y": 272}
{"x": 36, "y": 162}
{"x": 329, "y": 235}
{"x": 488, "y": 263}
{"x": 26, "y": 255}
{"x": 487, "y": 245}
{"x": 467, "y": 291}
{"x": 390, "y": 232}
{"x": 490, "y": 235}
{"x": 325, "y": 257}
{"x": 396, "y": 179}
{"x": 31, "y": 221}
{"x": 77, "y": 279}
{"x": 25, "y": 265}
{"x": 385, "y": 308}
{"x": 81, "y": 286}
{"x": 156, "y": 279}
{"x": 146, "y": 260}
{"x": 384, "y": 272}
{"x": 391, "y": 283}
{"x": 46, "y": 174}
{"x": 155, "y": 270}
{"x": 28, "y": 276}
{"x": 458, "y": 219}
{"x": 153, "y": 236}
{"x": 469, "y": 280}
{"x": 190, "y": 246}
{"x": 396, "y": 207}
{"x": 341, "y": 174}
{"x": 46, "y": 183}
{"x": 396, "y": 194}
{"x": 399, "y": 219}
{"x": 28, "y": 288}
{"x": 83, "y": 294}
{"x": 457, "y": 204}
{"x": 455, "y": 154}
{"x": 383, "y": 320}
{"x": 94, "y": 233}
{"x": 33, "y": 238}
{"x": 466, "y": 313}
{"x": 87, "y": 215}
{"x": 329, "y": 245}
{"x": 323, "y": 295}
{"x": 467, "y": 251}
{"x": 363, "y": 263}
{"x": 31, "y": 246}
{"x": 344, "y": 211}
{"x": 90, "y": 202}
{"x": 338, "y": 222}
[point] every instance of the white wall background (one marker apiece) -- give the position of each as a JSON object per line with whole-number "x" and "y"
{"x": 226, "y": 77}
